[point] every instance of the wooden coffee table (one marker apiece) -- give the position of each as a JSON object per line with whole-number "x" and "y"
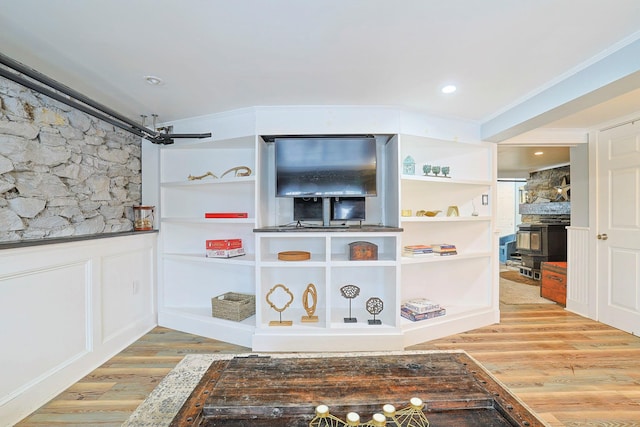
{"x": 283, "y": 391}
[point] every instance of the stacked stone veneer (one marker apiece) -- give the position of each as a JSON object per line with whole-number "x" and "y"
{"x": 543, "y": 195}
{"x": 62, "y": 172}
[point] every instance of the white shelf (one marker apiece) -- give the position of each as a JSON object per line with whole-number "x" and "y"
{"x": 214, "y": 221}
{"x": 444, "y": 218}
{"x": 447, "y": 258}
{"x": 445, "y": 181}
{"x": 199, "y": 184}
{"x": 274, "y": 262}
{"x": 365, "y": 263}
{"x": 204, "y": 314}
{"x": 453, "y": 312}
{"x": 247, "y": 259}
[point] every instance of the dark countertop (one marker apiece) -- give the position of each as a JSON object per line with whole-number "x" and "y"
{"x": 39, "y": 242}
{"x": 321, "y": 229}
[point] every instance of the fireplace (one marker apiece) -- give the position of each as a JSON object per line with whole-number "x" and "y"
{"x": 540, "y": 242}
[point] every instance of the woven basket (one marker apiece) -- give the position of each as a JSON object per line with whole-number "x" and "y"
{"x": 233, "y": 306}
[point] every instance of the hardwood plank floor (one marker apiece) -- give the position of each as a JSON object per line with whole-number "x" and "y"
{"x": 571, "y": 370}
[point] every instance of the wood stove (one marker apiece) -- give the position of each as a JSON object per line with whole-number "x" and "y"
{"x": 540, "y": 242}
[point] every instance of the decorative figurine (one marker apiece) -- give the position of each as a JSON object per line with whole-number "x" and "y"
{"x": 409, "y": 166}
{"x": 239, "y": 171}
{"x": 193, "y": 178}
{"x": 283, "y": 307}
{"x": 374, "y": 307}
{"x": 350, "y": 292}
{"x": 309, "y": 302}
{"x": 445, "y": 171}
{"x": 426, "y": 169}
{"x": 435, "y": 170}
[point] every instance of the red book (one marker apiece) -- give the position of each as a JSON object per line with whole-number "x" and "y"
{"x": 225, "y": 244}
{"x": 226, "y": 215}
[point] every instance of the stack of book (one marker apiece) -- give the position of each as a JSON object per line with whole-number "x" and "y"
{"x": 226, "y": 248}
{"x": 421, "y": 309}
{"x": 444, "y": 249}
{"x": 417, "y": 250}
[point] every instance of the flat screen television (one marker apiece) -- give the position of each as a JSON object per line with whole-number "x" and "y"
{"x": 325, "y": 166}
{"x": 307, "y": 209}
{"x": 348, "y": 209}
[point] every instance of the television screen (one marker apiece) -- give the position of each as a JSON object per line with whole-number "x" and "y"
{"x": 349, "y": 208}
{"x": 307, "y": 209}
{"x": 325, "y": 166}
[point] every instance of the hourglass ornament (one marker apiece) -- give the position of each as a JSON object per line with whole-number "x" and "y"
{"x": 374, "y": 307}
{"x": 309, "y": 302}
{"x": 281, "y": 304}
{"x": 350, "y": 292}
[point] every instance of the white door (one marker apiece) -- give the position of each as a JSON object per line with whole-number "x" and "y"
{"x": 618, "y": 233}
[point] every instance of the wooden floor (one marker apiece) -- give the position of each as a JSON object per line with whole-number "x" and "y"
{"x": 570, "y": 370}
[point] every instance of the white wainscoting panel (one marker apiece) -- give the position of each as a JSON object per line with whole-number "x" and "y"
{"x": 51, "y": 304}
{"x": 127, "y": 291}
{"x": 578, "y": 281}
{"x": 66, "y": 308}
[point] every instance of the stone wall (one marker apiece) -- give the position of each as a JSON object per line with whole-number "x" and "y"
{"x": 62, "y": 172}
{"x": 542, "y": 197}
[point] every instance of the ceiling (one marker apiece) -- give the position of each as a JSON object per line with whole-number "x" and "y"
{"x": 220, "y": 55}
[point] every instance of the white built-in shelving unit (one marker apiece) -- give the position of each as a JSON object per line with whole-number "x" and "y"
{"x": 461, "y": 283}
{"x": 189, "y": 279}
{"x": 465, "y": 284}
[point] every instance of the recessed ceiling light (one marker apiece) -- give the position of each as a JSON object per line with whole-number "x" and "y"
{"x": 153, "y": 80}
{"x": 449, "y": 89}
{"x": 538, "y": 153}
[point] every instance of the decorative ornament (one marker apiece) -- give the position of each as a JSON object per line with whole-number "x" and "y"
{"x": 563, "y": 190}
{"x": 309, "y": 302}
{"x": 193, "y": 178}
{"x": 409, "y": 166}
{"x": 374, "y": 307}
{"x": 239, "y": 171}
{"x": 271, "y": 294}
{"x": 453, "y": 211}
{"x": 350, "y": 292}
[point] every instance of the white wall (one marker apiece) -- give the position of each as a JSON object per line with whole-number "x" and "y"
{"x": 66, "y": 309}
{"x": 508, "y": 218}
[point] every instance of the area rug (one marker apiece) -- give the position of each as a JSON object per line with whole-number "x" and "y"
{"x": 513, "y": 293}
{"x": 166, "y": 400}
{"x": 515, "y": 276}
